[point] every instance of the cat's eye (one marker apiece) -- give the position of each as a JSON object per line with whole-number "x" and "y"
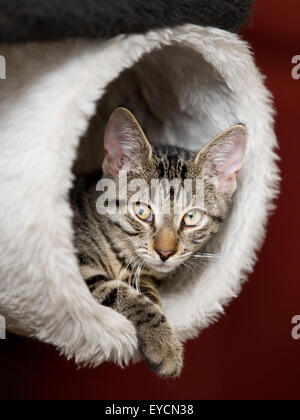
{"x": 144, "y": 212}
{"x": 193, "y": 218}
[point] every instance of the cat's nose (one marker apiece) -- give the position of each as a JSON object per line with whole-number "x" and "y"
{"x": 165, "y": 255}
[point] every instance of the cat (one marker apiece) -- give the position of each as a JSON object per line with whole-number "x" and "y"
{"x": 143, "y": 243}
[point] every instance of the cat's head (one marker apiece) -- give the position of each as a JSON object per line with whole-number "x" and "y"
{"x": 170, "y": 225}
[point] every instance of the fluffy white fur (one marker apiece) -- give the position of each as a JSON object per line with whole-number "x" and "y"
{"x": 185, "y": 85}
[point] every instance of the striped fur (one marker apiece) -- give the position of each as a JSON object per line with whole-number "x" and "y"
{"x": 117, "y": 253}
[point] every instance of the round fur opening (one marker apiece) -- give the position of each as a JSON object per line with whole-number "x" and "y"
{"x": 175, "y": 95}
{"x": 185, "y": 86}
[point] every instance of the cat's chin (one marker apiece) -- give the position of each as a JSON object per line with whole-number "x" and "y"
{"x": 161, "y": 268}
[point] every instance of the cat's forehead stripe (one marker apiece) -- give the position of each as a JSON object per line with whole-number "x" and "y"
{"x": 172, "y": 162}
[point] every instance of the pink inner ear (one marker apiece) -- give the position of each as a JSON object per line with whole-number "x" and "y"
{"x": 233, "y": 160}
{"x": 229, "y": 159}
{"x": 113, "y": 156}
{"x": 124, "y": 143}
{"x": 116, "y": 137}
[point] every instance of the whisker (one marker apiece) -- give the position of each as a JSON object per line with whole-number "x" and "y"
{"x": 137, "y": 278}
{"x": 207, "y": 256}
{"x": 125, "y": 269}
{"x": 184, "y": 264}
{"x": 132, "y": 260}
{"x": 123, "y": 272}
{"x": 133, "y": 270}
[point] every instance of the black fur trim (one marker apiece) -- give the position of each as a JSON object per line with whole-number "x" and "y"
{"x": 45, "y": 20}
{"x": 110, "y": 300}
{"x": 94, "y": 281}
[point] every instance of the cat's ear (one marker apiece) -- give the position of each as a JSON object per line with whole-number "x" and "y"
{"x": 223, "y": 157}
{"x": 125, "y": 144}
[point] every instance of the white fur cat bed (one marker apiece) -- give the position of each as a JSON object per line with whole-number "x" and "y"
{"x": 185, "y": 86}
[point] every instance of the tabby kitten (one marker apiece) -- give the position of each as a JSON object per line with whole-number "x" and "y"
{"x": 145, "y": 245}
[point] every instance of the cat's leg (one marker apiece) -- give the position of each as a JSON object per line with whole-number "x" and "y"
{"x": 157, "y": 343}
{"x": 148, "y": 287}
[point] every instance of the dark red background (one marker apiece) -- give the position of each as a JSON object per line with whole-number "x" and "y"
{"x": 249, "y": 354}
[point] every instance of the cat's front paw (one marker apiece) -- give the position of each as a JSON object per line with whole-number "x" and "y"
{"x": 161, "y": 349}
